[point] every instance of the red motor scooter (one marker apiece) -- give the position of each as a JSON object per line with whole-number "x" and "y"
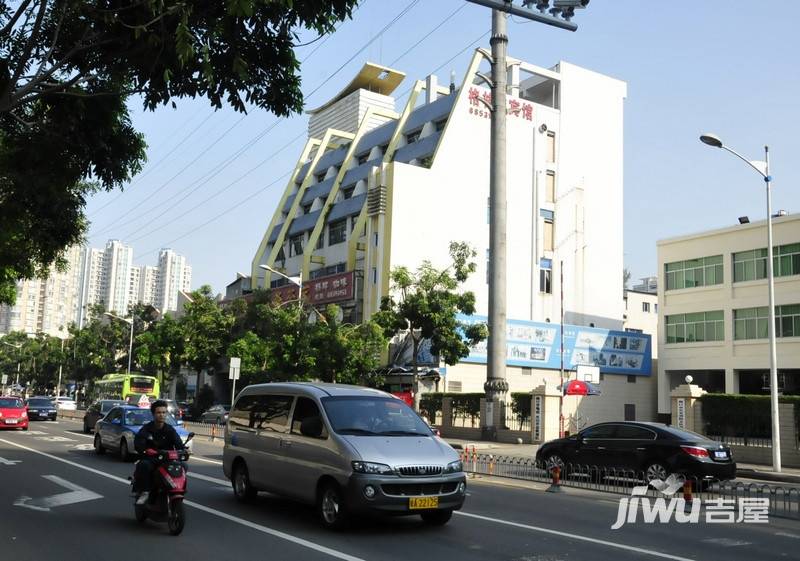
{"x": 165, "y": 502}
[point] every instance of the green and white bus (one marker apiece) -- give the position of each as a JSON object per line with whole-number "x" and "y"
{"x": 123, "y": 386}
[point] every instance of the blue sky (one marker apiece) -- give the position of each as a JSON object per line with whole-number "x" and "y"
{"x": 213, "y": 178}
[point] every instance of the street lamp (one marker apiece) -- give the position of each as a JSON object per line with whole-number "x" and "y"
{"x": 17, "y": 346}
{"x": 298, "y": 280}
{"x": 716, "y": 142}
{"x": 130, "y": 345}
{"x": 60, "y": 362}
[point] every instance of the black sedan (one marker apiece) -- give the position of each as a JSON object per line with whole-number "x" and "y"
{"x": 97, "y": 411}
{"x": 655, "y": 449}
{"x": 41, "y": 408}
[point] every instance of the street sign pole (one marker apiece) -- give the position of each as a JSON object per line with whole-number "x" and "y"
{"x": 233, "y": 374}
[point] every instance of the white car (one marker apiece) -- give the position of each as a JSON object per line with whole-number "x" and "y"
{"x": 66, "y": 403}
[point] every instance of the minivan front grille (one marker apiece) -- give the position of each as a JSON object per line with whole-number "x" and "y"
{"x": 418, "y": 489}
{"x": 419, "y": 471}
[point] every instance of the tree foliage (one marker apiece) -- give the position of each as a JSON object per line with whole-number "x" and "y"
{"x": 68, "y": 69}
{"x": 206, "y": 328}
{"x": 428, "y": 300}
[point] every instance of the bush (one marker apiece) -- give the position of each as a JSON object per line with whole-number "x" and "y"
{"x": 742, "y": 415}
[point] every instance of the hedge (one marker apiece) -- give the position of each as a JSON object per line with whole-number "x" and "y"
{"x": 742, "y": 415}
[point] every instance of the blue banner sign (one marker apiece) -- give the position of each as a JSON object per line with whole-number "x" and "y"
{"x": 536, "y": 345}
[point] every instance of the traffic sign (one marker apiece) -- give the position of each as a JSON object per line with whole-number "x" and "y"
{"x": 5, "y": 379}
{"x": 144, "y": 401}
{"x": 235, "y": 364}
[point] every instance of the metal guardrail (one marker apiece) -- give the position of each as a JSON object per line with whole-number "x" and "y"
{"x": 783, "y": 501}
{"x": 758, "y": 442}
{"x": 213, "y": 431}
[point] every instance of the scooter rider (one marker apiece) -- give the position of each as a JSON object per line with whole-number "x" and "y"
{"x": 155, "y": 435}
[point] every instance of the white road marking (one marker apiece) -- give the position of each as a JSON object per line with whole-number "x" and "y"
{"x": 252, "y": 525}
{"x": 574, "y": 537}
{"x": 788, "y": 535}
{"x": 199, "y": 459}
{"x": 222, "y": 482}
{"x": 55, "y": 439}
{"x": 77, "y": 494}
{"x": 83, "y": 447}
{"x": 727, "y": 542}
{"x": 34, "y": 433}
{"x": 9, "y": 462}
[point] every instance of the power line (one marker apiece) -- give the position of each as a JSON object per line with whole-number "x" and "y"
{"x": 424, "y": 37}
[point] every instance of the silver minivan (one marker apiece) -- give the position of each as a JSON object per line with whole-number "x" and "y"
{"x": 345, "y": 449}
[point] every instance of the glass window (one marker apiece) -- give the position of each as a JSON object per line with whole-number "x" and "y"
{"x": 412, "y": 137}
{"x": 698, "y": 326}
{"x": 373, "y": 416}
{"x": 634, "y": 433}
{"x": 243, "y": 412}
{"x": 645, "y": 306}
{"x": 548, "y": 232}
{"x": 551, "y": 146}
{"x": 546, "y": 281}
{"x": 550, "y": 187}
{"x": 599, "y": 431}
{"x": 306, "y": 419}
{"x": 337, "y": 232}
{"x": 271, "y": 412}
{"x": 296, "y": 245}
{"x": 704, "y": 271}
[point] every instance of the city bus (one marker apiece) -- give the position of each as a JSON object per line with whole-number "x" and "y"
{"x": 123, "y": 386}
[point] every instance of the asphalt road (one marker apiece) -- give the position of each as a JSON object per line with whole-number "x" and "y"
{"x": 499, "y": 522}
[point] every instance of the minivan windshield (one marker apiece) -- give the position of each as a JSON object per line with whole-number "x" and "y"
{"x": 373, "y": 416}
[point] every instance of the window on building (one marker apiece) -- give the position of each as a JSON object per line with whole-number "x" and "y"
{"x": 548, "y": 229}
{"x": 704, "y": 271}
{"x": 348, "y": 193}
{"x": 375, "y": 239}
{"x": 306, "y": 209}
{"x": 656, "y": 307}
{"x": 546, "y": 276}
{"x": 752, "y": 265}
{"x": 374, "y": 275}
{"x": 412, "y": 137}
{"x": 321, "y": 240}
{"x": 631, "y": 379}
{"x": 751, "y": 323}
{"x": 337, "y": 232}
{"x": 633, "y": 330}
{"x": 296, "y": 245}
{"x": 695, "y": 327}
{"x": 362, "y": 159}
{"x": 551, "y": 146}
{"x": 320, "y": 177}
{"x": 645, "y": 306}
{"x": 439, "y": 125}
{"x": 550, "y": 187}
{"x": 630, "y": 415}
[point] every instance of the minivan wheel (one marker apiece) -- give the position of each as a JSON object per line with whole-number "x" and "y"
{"x": 85, "y": 427}
{"x": 124, "y": 454}
{"x": 655, "y": 470}
{"x": 331, "y": 507}
{"x": 437, "y": 517}
{"x": 243, "y": 490}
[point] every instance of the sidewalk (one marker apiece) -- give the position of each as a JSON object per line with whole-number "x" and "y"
{"x": 747, "y": 471}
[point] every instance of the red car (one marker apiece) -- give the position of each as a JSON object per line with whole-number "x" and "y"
{"x": 13, "y": 413}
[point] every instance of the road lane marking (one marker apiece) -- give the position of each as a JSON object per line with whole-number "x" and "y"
{"x": 76, "y": 494}
{"x": 198, "y": 458}
{"x": 727, "y": 542}
{"x": 575, "y": 537}
{"x": 252, "y": 525}
{"x": 55, "y": 439}
{"x": 223, "y": 482}
{"x": 9, "y": 462}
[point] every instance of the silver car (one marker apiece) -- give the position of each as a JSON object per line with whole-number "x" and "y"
{"x": 345, "y": 449}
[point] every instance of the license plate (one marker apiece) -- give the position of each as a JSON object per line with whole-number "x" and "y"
{"x": 11, "y": 421}
{"x": 415, "y": 503}
{"x": 721, "y": 455}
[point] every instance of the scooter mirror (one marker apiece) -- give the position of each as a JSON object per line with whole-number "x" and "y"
{"x": 191, "y": 436}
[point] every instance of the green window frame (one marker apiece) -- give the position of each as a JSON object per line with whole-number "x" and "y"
{"x": 752, "y": 323}
{"x": 692, "y": 273}
{"x": 752, "y": 264}
{"x": 696, "y": 327}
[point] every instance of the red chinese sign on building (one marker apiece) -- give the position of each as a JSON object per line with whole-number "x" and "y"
{"x": 480, "y": 102}
{"x": 324, "y": 290}
{"x": 333, "y": 288}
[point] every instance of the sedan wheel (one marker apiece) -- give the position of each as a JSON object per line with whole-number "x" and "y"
{"x": 554, "y": 461}
{"x": 656, "y": 470}
{"x": 98, "y": 445}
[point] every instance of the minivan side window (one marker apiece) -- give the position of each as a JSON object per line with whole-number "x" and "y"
{"x": 272, "y": 412}
{"x": 307, "y": 421}
{"x": 244, "y": 413}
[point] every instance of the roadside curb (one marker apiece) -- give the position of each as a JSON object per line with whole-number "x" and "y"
{"x": 767, "y": 475}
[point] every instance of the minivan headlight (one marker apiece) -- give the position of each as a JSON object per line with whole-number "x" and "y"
{"x": 372, "y": 467}
{"x": 454, "y": 467}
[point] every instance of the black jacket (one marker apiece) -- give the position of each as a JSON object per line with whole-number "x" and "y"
{"x": 165, "y": 439}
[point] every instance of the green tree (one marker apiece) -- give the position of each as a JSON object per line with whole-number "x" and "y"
{"x": 160, "y": 350}
{"x": 206, "y": 330}
{"x": 101, "y": 347}
{"x": 426, "y": 302}
{"x": 68, "y": 69}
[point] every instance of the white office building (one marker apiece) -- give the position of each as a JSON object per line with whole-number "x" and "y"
{"x": 379, "y": 186}
{"x": 174, "y": 274}
{"x": 148, "y": 281}
{"x": 714, "y": 308}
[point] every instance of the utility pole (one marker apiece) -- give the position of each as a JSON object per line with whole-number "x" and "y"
{"x": 496, "y": 385}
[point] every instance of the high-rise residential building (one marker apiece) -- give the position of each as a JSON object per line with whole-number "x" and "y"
{"x": 173, "y": 275}
{"x": 47, "y": 305}
{"x": 91, "y": 282}
{"x": 133, "y": 285}
{"x": 117, "y": 264}
{"x": 148, "y": 278}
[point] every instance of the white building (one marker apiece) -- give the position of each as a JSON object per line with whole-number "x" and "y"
{"x": 46, "y": 305}
{"x": 148, "y": 280}
{"x": 174, "y": 274}
{"x": 91, "y": 291}
{"x": 713, "y": 303}
{"x": 647, "y": 284}
{"x": 134, "y": 285}
{"x": 117, "y": 265}
{"x": 366, "y": 197}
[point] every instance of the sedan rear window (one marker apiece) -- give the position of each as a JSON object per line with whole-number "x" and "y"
{"x": 10, "y": 402}
{"x": 40, "y": 403}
